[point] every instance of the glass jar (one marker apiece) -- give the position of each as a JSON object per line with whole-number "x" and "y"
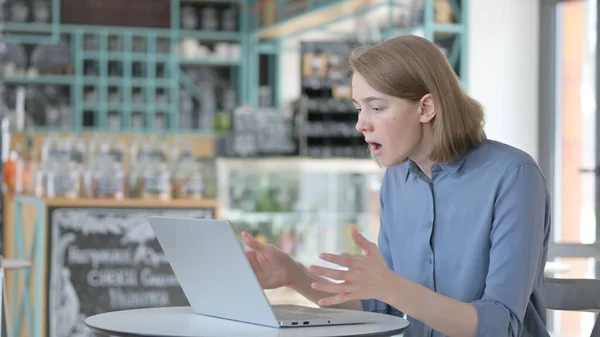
{"x": 135, "y": 179}
{"x": 108, "y": 181}
{"x": 149, "y": 148}
{"x": 181, "y": 150}
{"x": 39, "y": 184}
{"x": 105, "y": 148}
{"x": 117, "y": 151}
{"x": 50, "y": 148}
{"x": 63, "y": 180}
{"x": 207, "y": 166}
{"x": 74, "y": 150}
{"x": 188, "y": 182}
{"x": 155, "y": 183}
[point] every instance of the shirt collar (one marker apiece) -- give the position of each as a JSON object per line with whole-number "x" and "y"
{"x": 412, "y": 168}
{"x": 451, "y": 168}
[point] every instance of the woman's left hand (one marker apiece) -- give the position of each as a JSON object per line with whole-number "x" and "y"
{"x": 367, "y": 277}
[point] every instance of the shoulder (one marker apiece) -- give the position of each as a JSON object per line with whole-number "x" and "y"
{"x": 502, "y": 160}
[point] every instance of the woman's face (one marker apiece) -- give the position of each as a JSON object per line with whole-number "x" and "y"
{"x": 393, "y": 127}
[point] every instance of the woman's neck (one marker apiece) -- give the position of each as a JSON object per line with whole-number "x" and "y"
{"x": 423, "y": 151}
{"x": 424, "y": 164}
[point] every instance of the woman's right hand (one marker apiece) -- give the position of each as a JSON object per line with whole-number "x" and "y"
{"x": 273, "y": 267}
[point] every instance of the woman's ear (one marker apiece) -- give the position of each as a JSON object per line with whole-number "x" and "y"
{"x": 427, "y": 108}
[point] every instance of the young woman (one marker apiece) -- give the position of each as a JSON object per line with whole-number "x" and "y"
{"x": 465, "y": 221}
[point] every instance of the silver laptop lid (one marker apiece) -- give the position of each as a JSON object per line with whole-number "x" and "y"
{"x": 212, "y": 269}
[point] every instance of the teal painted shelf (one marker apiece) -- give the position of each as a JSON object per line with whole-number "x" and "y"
{"x": 41, "y": 28}
{"x": 127, "y": 82}
{"x": 181, "y": 131}
{"x": 121, "y": 56}
{"x": 159, "y": 108}
{"x": 210, "y": 35}
{"x": 210, "y": 62}
{"x": 42, "y": 79}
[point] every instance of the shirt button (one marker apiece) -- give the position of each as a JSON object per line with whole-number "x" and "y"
{"x": 429, "y": 261}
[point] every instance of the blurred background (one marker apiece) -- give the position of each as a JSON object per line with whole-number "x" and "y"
{"x": 113, "y": 110}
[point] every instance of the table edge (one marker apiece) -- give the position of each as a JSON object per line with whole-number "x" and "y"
{"x": 114, "y": 333}
{"x": 105, "y": 332}
{"x": 121, "y": 334}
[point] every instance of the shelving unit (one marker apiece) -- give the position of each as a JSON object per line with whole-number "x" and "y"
{"x": 448, "y": 30}
{"x": 261, "y": 27}
{"x": 326, "y": 115}
{"x": 127, "y": 79}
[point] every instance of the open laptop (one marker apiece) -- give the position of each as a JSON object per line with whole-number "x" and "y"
{"x": 218, "y": 280}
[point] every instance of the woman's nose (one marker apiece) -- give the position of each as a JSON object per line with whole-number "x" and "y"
{"x": 363, "y": 125}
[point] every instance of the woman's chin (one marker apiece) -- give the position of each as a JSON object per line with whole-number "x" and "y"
{"x": 386, "y": 160}
{"x": 390, "y": 162}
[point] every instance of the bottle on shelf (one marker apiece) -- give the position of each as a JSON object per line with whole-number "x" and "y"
{"x": 188, "y": 182}
{"x": 108, "y": 180}
{"x": 63, "y": 179}
{"x": 156, "y": 182}
{"x": 9, "y": 172}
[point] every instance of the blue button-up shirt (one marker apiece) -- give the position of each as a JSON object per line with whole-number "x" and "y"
{"x": 477, "y": 231}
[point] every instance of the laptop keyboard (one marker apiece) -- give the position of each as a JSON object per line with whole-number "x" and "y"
{"x": 285, "y": 315}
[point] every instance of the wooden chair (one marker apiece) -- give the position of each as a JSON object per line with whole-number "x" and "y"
{"x": 574, "y": 295}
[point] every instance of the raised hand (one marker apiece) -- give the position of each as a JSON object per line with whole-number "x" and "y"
{"x": 273, "y": 267}
{"x": 367, "y": 277}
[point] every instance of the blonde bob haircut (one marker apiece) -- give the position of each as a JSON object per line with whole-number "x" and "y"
{"x": 410, "y": 67}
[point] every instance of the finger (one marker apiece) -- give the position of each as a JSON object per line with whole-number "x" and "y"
{"x": 252, "y": 242}
{"x": 342, "y": 260}
{"x": 367, "y": 246}
{"x": 335, "y": 288}
{"x": 337, "y": 299}
{"x": 252, "y": 257}
{"x": 335, "y": 274}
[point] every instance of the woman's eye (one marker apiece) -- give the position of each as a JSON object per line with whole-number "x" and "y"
{"x": 376, "y": 109}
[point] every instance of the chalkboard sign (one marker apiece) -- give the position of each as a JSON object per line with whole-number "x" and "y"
{"x": 106, "y": 260}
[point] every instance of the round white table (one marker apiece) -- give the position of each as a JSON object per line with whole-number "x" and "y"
{"x": 183, "y": 322}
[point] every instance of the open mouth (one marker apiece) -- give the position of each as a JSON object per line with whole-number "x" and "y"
{"x": 374, "y": 146}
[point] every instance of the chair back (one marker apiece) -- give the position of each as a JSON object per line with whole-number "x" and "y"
{"x": 574, "y": 295}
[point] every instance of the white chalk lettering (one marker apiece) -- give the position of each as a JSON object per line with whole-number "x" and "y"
{"x": 148, "y": 256}
{"x": 120, "y": 299}
{"x": 149, "y": 279}
{"x": 95, "y": 257}
{"x": 112, "y": 278}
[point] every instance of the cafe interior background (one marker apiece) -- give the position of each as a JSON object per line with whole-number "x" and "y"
{"x": 239, "y": 109}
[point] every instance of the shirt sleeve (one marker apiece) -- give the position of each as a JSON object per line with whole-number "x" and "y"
{"x": 519, "y": 239}
{"x": 373, "y": 305}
